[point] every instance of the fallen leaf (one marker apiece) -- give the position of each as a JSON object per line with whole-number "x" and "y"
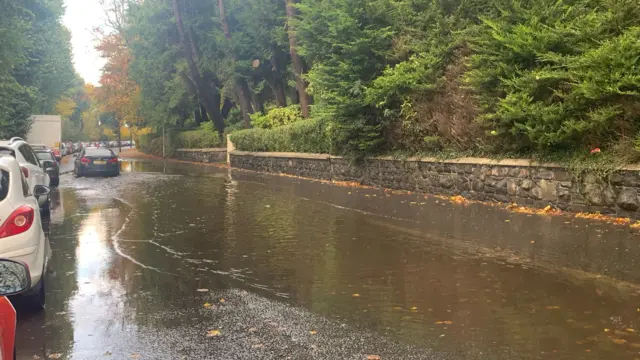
{"x": 619, "y": 341}
{"x": 356, "y": 295}
{"x": 507, "y": 221}
{"x": 252, "y": 330}
{"x": 35, "y": 357}
{"x": 55, "y": 356}
{"x": 553, "y": 307}
{"x": 222, "y": 300}
{"x": 439, "y": 322}
{"x": 607, "y": 330}
{"x": 257, "y": 346}
{"x": 212, "y": 333}
{"x": 373, "y": 357}
{"x": 635, "y": 345}
{"x": 448, "y": 322}
{"x": 202, "y": 290}
{"x": 135, "y": 356}
{"x": 630, "y": 330}
{"x": 414, "y": 308}
{"x": 313, "y": 332}
{"x": 532, "y": 242}
{"x": 207, "y": 305}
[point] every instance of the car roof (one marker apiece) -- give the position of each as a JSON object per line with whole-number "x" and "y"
{"x": 37, "y": 149}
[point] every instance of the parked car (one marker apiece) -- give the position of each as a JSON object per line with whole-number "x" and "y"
{"x": 21, "y": 235}
{"x": 102, "y": 161}
{"x": 49, "y": 163}
{"x": 14, "y": 279}
{"x": 30, "y": 165}
{"x": 57, "y": 154}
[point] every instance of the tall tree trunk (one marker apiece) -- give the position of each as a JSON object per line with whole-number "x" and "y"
{"x": 203, "y": 113}
{"x": 197, "y": 115}
{"x": 296, "y": 61}
{"x": 204, "y": 85}
{"x": 242, "y": 89}
{"x": 258, "y": 105}
{"x": 277, "y": 83}
{"x": 226, "y": 108}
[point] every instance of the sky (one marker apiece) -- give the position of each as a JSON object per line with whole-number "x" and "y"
{"x": 80, "y": 18}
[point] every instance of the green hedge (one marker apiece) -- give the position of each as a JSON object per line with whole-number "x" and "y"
{"x": 198, "y": 139}
{"x": 204, "y": 137}
{"x": 307, "y": 136}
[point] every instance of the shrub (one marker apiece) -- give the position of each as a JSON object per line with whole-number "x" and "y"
{"x": 308, "y": 136}
{"x": 204, "y": 137}
{"x": 276, "y": 117}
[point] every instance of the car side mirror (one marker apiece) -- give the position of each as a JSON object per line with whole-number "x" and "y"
{"x": 47, "y": 165}
{"x": 14, "y": 277}
{"x": 41, "y": 190}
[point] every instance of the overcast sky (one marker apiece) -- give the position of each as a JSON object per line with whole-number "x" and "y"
{"x": 80, "y": 18}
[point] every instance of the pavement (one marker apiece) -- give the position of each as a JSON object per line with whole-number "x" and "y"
{"x": 181, "y": 261}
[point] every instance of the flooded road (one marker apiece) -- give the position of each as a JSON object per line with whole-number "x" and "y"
{"x": 179, "y": 261}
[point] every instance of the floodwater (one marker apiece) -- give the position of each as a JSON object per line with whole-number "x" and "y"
{"x": 179, "y": 261}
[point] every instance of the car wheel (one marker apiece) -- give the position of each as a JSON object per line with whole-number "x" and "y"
{"x": 35, "y": 299}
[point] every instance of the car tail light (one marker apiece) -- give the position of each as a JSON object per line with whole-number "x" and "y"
{"x": 25, "y": 171}
{"x": 113, "y": 160}
{"x": 18, "y": 222}
{"x": 85, "y": 160}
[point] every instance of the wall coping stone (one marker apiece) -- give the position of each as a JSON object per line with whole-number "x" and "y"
{"x": 463, "y": 160}
{"x": 203, "y": 150}
{"x": 283, "y": 155}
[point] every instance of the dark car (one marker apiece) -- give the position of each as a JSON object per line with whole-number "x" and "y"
{"x": 49, "y": 163}
{"x": 101, "y": 161}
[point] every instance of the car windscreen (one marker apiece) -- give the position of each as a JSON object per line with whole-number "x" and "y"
{"x": 44, "y": 155}
{"x": 99, "y": 152}
{"x": 4, "y": 184}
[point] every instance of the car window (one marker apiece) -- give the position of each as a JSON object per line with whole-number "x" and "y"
{"x": 7, "y": 151}
{"x": 99, "y": 152}
{"x": 26, "y": 151}
{"x": 25, "y": 185}
{"x": 44, "y": 155}
{"x": 4, "y": 184}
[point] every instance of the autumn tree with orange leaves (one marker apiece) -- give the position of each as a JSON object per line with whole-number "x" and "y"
{"x": 118, "y": 94}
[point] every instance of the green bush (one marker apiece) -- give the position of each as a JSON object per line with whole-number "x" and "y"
{"x": 276, "y": 117}
{"x": 204, "y": 137}
{"x": 307, "y": 136}
{"x": 558, "y": 75}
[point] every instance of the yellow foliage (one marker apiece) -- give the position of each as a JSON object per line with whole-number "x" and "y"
{"x": 65, "y": 107}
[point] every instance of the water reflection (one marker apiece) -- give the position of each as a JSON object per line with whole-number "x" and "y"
{"x": 377, "y": 273}
{"x": 434, "y": 275}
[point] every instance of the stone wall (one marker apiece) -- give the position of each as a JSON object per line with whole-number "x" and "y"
{"x": 513, "y": 181}
{"x": 202, "y": 155}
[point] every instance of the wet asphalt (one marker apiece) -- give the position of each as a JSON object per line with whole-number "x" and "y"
{"x": 182, "y": 261}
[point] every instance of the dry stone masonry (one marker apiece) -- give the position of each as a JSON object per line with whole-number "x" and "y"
{"x": 512, "y": 181}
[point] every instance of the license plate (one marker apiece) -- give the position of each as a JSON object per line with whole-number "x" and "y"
{"x": 99, "y": 162}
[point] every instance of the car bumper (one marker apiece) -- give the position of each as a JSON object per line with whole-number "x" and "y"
{"x": 35, "y": 259}
{"x": 100, "y": 170}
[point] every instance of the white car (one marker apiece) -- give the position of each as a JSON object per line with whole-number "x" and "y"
{"x": 30, "y": 165}
{"x": 21, "y": 234}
